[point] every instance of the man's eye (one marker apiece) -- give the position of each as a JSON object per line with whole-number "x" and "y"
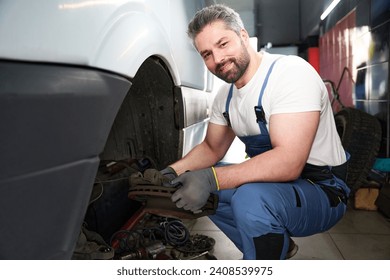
{"x": 224, "y": 44}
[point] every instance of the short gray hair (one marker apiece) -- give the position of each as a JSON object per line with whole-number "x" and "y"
{"x": 211, "y": 14}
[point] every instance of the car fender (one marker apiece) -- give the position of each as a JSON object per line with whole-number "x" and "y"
{"x": 129, "y": 40}
{"x": 116, "y": 35}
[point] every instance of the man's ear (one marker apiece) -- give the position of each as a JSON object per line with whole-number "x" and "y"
{"x": 244, "y": 36}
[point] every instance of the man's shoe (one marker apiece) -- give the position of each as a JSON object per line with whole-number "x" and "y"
{"x": 292, "y": 249}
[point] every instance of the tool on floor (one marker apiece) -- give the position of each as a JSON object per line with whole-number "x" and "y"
{"x": 156, "y": 237}
{"x": 149, "y": 252}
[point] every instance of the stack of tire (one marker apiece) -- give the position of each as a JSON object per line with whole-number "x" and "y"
{"x": 360, "y": 134}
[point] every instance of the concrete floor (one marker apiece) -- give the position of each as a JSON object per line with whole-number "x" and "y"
{"x": 360, "y": 235}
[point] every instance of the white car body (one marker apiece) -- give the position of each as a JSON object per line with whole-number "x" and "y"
{"x": 83, "y": 81}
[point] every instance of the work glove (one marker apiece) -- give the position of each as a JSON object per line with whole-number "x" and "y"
{"x": 169, "y": 173}
{"x": 195, "y": 189}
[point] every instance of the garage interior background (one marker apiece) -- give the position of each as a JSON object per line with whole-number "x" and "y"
{"x": 354, "y": 39}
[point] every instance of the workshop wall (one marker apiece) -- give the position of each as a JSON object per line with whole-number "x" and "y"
{"x": 354, "y": 54}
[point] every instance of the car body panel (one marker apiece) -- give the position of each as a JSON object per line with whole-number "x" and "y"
{"x": 65, "y": 69}
{"x": 115, "y": 35}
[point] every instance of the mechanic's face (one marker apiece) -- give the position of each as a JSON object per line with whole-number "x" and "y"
{"x": 223, "y": 51}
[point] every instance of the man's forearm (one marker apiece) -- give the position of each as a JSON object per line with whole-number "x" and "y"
{"x": 200, "y": 157}
{"x": 271, "y": 166}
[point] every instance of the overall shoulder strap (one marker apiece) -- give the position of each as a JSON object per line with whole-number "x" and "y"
{"x": 260, "y": 116}
{"x": 229, "y": 98}
{"x": 266, "y": 81}
{"x": 226, "y": 113}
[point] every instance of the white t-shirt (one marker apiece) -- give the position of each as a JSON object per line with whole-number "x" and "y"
{"x": 293, "y": 86}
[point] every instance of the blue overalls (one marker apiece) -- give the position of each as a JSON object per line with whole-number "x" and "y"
{"x": 260, "y": 217}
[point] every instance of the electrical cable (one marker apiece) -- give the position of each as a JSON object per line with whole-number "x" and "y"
{"x": 172, "y": 232}
{"x": 176, "y": 234}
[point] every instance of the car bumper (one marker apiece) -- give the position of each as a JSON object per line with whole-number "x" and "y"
{"x": 54, "y": 122}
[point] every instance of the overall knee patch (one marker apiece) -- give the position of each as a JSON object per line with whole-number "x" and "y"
{"x": 269, "y": 246}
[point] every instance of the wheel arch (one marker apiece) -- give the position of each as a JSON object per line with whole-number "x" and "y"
{"x": 150, "y": 120}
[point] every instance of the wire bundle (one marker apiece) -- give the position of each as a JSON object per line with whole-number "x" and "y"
{"x": 169, "y": 231}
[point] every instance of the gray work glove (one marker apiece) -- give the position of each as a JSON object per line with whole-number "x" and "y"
{"x": 169, "y": 173}
{"x": 195, "y": 189}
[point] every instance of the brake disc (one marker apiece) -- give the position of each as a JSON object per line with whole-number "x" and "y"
{"x": 157, "y": 200}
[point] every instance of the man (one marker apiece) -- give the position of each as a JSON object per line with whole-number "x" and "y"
{"x": 293, "y": 182}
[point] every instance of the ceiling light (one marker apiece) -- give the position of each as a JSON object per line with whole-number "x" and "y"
{"x": 329, "y": 9}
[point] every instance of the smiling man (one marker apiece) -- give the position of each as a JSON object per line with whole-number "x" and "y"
{"x": 293, "y": 183}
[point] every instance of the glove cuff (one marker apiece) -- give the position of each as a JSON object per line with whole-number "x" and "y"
{"x": 215, "y": 177}
{"x": 169, "y": 172}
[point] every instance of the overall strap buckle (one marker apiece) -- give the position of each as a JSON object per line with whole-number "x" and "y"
{"x": 227, "y": 118}
{"x": 260, "y": 116}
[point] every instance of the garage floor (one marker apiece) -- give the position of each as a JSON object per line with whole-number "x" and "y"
{"x": 360, "y": 235}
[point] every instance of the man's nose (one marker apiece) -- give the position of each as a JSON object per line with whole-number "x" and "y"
{"x": 219, "y": 57}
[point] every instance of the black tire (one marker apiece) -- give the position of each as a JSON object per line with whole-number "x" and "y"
{"x": 360, "y": 134}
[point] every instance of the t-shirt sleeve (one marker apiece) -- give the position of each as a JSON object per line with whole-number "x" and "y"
{"x": 297, "y": 87}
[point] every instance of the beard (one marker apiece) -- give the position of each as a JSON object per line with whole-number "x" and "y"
{"x": 238, "y": 68}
